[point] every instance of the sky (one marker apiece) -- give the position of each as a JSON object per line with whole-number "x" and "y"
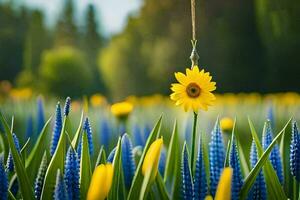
{"x": 112, "y": 14}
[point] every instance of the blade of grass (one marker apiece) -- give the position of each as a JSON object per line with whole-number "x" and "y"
{"x": 57, "y": 162}
{"x": 275, "y": 189}
{"x": 33, "y": 161}
{"x": 138, "y": 177}
{"x": 24, "y": 182}
{"x": 85, "y": 167}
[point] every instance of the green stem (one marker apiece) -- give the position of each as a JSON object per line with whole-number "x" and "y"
{"x": 194, "y": 142}
{"x": 295, "y": 188}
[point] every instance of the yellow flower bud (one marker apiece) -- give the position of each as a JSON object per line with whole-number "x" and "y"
{"x": 208, "y": 197}
{"x": 226, "y": 124}
{"x": 101, "y": 182}
{"x": 122, "y": 109}
{"x": 152, "y": 158}
{"x": 224, "y": 186}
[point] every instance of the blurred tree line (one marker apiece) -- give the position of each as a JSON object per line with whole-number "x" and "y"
{"x": 250, "y": 45}
{"x": 60, "y": 61}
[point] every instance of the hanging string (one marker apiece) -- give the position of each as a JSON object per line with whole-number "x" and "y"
{"x": 193, "y": 13}
{"x": 194, "y": 55}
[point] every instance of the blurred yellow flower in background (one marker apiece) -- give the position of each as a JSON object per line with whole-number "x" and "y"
{"x": 151, "y": 159}
{"x": 21, "y": 94}
{"x": 224, "y": 186}
{"x": 122, "y": 109}
{"x": 194, "y": 90}
{"x": 97, "y": 100}
{"x": 226, "y": 124}
{"x": 101, "y": 182}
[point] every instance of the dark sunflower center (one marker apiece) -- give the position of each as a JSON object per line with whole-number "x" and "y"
{"x": 193, "y": 90}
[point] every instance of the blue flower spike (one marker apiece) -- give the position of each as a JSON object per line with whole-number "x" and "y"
{"x": 40, "y": 115}
{"x": 237, "y": 178}
{"x": 128, "y": 162}
{"x": 67, "y": 107}
{"x": 216, "y": 157}
{"x": 275, "y": 157}
{"x": 10, "y": 162}
{"x": 87, "y": 128}
{"x": 187, "y": 192}
{"x": 105, "y": 133}
{"x": 56, "y": 129}
{"x": 3, "y": 179}
{"x": 295, "y": 152}
{"x": 259, "y": 188}
{"x": 39, "y": 181}
{"x": 200, "y": 181}
{"x": 60, "y": 192}
{"x": 72, "y": 174}
{"x": 111, "y": 156}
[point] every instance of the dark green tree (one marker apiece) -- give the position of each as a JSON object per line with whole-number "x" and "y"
{"x": 92, "y": 43}
{"x": 66, "y": 32}
{"x": 37, "y": 40}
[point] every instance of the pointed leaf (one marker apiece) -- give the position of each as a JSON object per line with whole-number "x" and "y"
{"x": 25, "y": 184}
{"x": 85, "y": 167}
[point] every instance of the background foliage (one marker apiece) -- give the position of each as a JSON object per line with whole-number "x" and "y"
{"x": 253, "y": 43}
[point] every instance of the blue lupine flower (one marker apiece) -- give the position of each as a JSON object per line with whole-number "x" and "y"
{"x": 216, "y": 157}
{"x": 105, "y": 134}
{"x": 56, "y": 129}
{"x": 29, "y": 127}
{"x": 137, "y": 135}
{"x": 14, "y": 188}
{"x": 128, "y": 162}
{"x": 259, "y": 189}
{"x": 88, "y": 130}
{"x": 40, "y": 115}
{"x": 10, "y": 162}
{"x": 237, "y": 178}
{"x": 162, "y": 161}
{"x": 186, "y": 177}
{"x": 275, "y": 157}
{"x": 111, "y": 156}
{"x": 295, "y": 152}
{"x": 39, "y": 181}
{"x": 71, "y": 175}
{"x": 67, "y": 107}
{"x": 3, "y": 180}
{"x": 60, "y": 192}
{"x": 200, "y": 184}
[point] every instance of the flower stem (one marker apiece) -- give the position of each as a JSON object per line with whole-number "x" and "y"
{"x": 194, "y": 142}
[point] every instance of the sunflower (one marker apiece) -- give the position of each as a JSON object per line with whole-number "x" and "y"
{"x": 194, "y": 90}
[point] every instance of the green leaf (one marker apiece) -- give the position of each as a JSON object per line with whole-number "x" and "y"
{"x": 285, "y": 155}
{"x": 101, "y": 159}
{"x": 23, "y": 150}
{"x": 226, "y": 164}
{"x": 32, "y": 163}
{"x": 57, "y": 162}
{"x": 206, "y": 158}
{"x": 11, "y": 196}
{"x": 275, "y": 189}
{"x": 76, "y": 138}
{"x": 85, "y": 167}
{"x": 24, "y": 182}
{"x": 145, "y": 185}
{"x": 162, "y": 190}
{"x": 117, "y": 188}
{"x": 172, "y": 158}
{"x": 138, "y": 177}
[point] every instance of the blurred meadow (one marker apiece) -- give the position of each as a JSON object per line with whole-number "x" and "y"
{"x": 103, "y": 52}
